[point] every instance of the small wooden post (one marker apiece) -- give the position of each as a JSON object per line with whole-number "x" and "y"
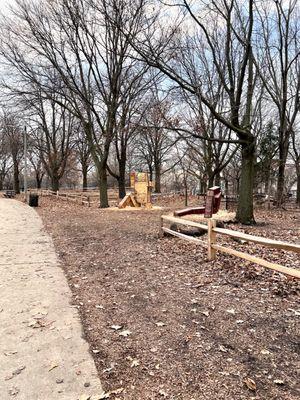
{"x": 57, "y": 194}
{"x": 212, "y": 236}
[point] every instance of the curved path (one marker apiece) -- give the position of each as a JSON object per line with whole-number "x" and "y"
{"x": 42, "y": 353}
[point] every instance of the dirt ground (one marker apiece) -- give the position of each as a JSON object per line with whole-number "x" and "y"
{"x": 163, "y": 322}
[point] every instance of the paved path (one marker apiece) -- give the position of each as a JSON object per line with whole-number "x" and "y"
{"x": 42, "y": 353}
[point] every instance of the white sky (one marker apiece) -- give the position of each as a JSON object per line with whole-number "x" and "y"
{"x": 4, "y": 4}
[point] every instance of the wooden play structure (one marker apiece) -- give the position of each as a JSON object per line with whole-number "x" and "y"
{"x": 212, "y": 205}
{"x": 141, "y": 195}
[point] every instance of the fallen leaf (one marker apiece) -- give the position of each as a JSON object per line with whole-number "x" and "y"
{"x": 250, "y": 383}
{"x": 116, "y": 391}
{"x": 230, "y": 311}
{"x": 162, "y": 393}
{"x": 125, "y": 333}
{"x": 278, "y": 381}
{"x": 153, "y": 350}
{"x": 223, "y": 349}
{"x": 116, "y": 327}
{"x": 206, "y": 313}
{"x": 265, "y": 352}
{"x": 135, "y": 363}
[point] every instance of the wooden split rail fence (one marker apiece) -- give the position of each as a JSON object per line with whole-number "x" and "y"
{"x": 213, "y": 247}
{"x": 79, "y": 198}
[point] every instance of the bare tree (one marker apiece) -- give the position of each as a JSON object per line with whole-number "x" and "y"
{"x": 83, "y": 44}
{"x": 296, "y": 157}
{"x": 5, "y": 158}
{"x": 130, "y": 113}
{"x": 278, "y": 62}
{"x": 35, "y": 159}
{"x": 155, "y": 141}
{"x": 226, "y": 35}
{"x": 83, "y": 152}
{"x": 14, "y": 136}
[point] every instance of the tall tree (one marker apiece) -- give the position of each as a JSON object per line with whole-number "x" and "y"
{"x": 14, "y": 137}
{"x": 156, "y": 141}
{"x": 83, "y": 152}
{"x": 296, "y": 157}
{"x": 78, "y": 50}
{"x": 223, "y": 30}
{"x": 5, "y": 158}
{"x": 278, "y": 62}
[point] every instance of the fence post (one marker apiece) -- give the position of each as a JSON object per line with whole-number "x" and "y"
{"x": 88, "y": 199}
{"x": 57, "y": 193}
{"x": 212, "y": 236}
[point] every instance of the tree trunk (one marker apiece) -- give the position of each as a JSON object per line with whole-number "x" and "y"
{"x": 103, "y": 187}
{"x": 39, "y": 180}
{"x": 211, "y": 181}
{"x": 245, "y": 203}
{"x": 54, "y": 183}
{"x": 122, "y": 185}
{"x": 203, "y": 186}
{"x": 16, "y": 178}
{"x": 1, "y": 184}
{"x": 226, "y": 187}
{"x": 218, "y": 179}
{"x": 150, "y": 172}
{"x": 283, "y": 153}
{"x": 157, "y": 178}
{"x": 267, "y": 180}
{"x": 122, "y": 176}
{"x": 84, "y": 171}
{"x": 298, "y": 188}
{"x": 185, "y": 192}
{"x": 280, "y": 184}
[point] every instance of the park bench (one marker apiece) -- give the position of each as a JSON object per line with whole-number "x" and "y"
{"x": 10, "y": 194}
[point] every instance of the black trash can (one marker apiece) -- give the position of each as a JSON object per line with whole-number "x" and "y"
{"x": 33, "y": 200}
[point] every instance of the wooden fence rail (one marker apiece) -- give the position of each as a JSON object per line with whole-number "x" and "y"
{"x": 79, "y": 198}
{"x": 213, "y": 247}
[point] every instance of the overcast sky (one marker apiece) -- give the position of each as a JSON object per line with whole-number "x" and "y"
{"x": 4, "y": 3}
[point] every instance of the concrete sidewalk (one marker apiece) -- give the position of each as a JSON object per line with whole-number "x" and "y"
{"x": 42, "y": 353}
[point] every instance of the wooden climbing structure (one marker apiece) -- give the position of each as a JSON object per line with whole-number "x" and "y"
{"x": 141, "y": 195}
